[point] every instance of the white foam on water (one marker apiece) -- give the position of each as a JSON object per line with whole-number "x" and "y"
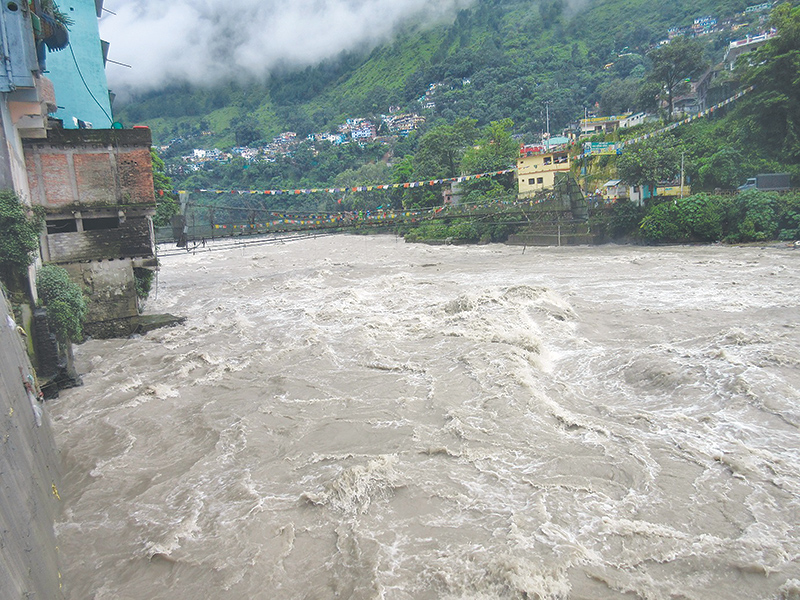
{"x": 355, "y": 489}
{"x": 357, "y": 417}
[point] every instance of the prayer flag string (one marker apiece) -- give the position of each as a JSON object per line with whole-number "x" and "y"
{"x": 360, "y": 188}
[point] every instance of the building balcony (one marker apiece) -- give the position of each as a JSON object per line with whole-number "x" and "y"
{"x": 29, "y": 108}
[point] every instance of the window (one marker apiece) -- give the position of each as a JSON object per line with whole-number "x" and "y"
{"x": 547, "y": 160}
{"x": 540, "y": 180}
{"x": 531, "y": 181}
{"x": 62, "y": 226}
{"x": 100, "y": 223}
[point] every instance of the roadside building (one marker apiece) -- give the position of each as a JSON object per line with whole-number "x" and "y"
{"x": 605, "y": 125}
{"x": 695, "y": 98}
{"x": 616, "y": 189}
{"x": 96, "y": 187}
{"x": 94, "y": 184}
{"x": 537, "y": 167}
{"x": 26, "y": 95}
{"x": 676, "y": 190}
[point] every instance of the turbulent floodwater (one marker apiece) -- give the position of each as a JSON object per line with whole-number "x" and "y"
{"x": 355, "y": 417}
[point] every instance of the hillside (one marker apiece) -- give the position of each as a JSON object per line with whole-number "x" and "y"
{"x": 497, "y": 59}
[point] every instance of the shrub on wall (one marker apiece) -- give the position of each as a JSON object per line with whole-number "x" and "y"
{"x": 143, "y": 281}
{"x": 19, "y": 235}
{"x": 624, "y": 219}
{"x": 66, "y": 306}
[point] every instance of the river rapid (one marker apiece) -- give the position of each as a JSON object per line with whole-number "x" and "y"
{"x": 356, "y": 417}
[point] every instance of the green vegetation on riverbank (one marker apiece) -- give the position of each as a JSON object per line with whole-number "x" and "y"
{"x": 751, "y": 216}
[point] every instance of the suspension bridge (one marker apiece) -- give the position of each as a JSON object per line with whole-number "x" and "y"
{"x": 198, "y": 221}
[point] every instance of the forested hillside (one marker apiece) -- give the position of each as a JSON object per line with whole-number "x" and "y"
{"x": 498, "y": 59}
{"x": 499, "y": 71}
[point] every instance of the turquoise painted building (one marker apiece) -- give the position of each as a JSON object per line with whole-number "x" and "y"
{"x": 78, "y": 71}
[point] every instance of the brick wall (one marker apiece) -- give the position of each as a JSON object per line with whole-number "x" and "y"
{"x": 90, "y": 167}
{"x": 49, "y": 178}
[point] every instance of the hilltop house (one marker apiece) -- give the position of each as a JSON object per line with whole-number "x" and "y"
{"x": 738, "y": 47}
{"x": 403, "y": 123}
{"x": 704, "y": 25}
{"x": 363, "y": 130}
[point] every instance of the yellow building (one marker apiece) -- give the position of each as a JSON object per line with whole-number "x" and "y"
{"x": 537, "y": 167}
{"x": 664, "y": 189}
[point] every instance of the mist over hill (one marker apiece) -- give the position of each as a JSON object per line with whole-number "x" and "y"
{"x": 205, "y": 44}
{"x": 305, "y": 66}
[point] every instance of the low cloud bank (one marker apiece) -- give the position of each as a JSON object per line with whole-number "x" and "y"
{"x": 204, "y": 42}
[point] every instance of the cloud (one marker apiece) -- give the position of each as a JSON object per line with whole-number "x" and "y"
{"x": 204, "y": 42}
{"x": 575, "y": 6}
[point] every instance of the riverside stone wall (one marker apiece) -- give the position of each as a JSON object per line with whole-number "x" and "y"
{"x": 29, "y": 478}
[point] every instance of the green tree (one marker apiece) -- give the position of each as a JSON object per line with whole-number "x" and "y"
{"x": 647, "y": 95}
{"x": 722, "y": 169}
{"x": 365, "y": 175}
{"x": 702, "y": 217}
{"x": 624, "y": 219}
{"x": 674, "y": 64}
{"x": 753, "y": 217}
{"x": 245, "y": 130}
{"x": 402, "y": 172}
{"x": 790, "y": 217}
{"x": 496, "y": 149}
{"x": 19, "y": 235}
{"x": 166, "y": 201}
{"x": 663, "y": 224}
{"x": 698, "y": 218}
{"x": 441, "y": 149}
{"x": 772, "y": 111}
{"x": 650, "y": 162}
{"x": 618, "y": 96}
{"x": 66, "y": 306}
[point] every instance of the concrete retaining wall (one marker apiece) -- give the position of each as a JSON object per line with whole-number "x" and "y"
{"x": 29, "y": 480}
{"x": 109, "y": 288}
{"x": 133, "y": 238}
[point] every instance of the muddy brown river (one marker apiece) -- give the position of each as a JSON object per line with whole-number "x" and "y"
{"x": 356, "y": 417}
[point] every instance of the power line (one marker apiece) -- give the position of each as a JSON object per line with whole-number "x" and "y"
{"x": 86, "y": 85}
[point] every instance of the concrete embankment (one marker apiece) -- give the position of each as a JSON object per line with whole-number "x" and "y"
{"x": 29, "y": 477}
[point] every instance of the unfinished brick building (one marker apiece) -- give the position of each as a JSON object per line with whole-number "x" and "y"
{"x": 96, "y": 186}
